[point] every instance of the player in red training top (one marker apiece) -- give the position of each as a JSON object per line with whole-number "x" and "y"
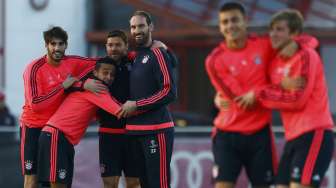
{"x": 67, "y": 126}
{"x": 305, "y": 111}
{"x": 45, "y": 82}
{"x": 243, "y": 137}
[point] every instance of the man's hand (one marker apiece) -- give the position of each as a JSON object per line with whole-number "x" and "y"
{"x": 220, "y": 102}
{"x": 128, "y": 108}
{"x": 69, "y": 81}
{"x": 246, "y": 101}
{"x": 289, "y": 50}
{"x": 95, "y": 86}
{"x": 158, "y": 44}
{"x": 289, "y": 83}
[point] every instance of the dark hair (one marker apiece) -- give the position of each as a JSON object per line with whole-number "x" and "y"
{"x": 293, "y": 17}
{"x": 233, "y": 6}
{"x": 118, "y": 33}
{"x": 55, "y": 32}
{"x": 143, "y": 14}
{"x": 104, "y": 60}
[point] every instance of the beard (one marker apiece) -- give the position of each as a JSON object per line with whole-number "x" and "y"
{"x": 117, "y": 56}
{"x": 141, "y": 39}
{"x": 56, "y": 56}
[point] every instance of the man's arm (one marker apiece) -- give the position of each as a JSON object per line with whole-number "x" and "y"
{"x": 222, "y": 81}
{"x": 83, "y": 69}
{"x": 163, "y": 72}
{"x": 302, "y": 40}
{"x": 274, "y": 96}
{"x": 38, "y": 98}
{"x": 83, "y": 65}
{"x": 105, "y": 101}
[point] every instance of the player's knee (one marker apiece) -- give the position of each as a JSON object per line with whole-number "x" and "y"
{"x": 58, "y": 185}
{"x": 111, "y": 182}
{"x": 30, "y": 181}
{"x": 132, "y": 183}
{"x": 264, "y": 186}
{"x": 222, "y": 184}
{"x": 298, "y": 185}
{"x": 281, "y": 186}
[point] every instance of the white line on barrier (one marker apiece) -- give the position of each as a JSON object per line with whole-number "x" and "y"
{"x": 189, "y": 129}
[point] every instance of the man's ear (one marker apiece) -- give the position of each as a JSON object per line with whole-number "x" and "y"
{"x": 294, "y": 34}
{"x": 151, "y": 27}
{"x": 95, "y": 73}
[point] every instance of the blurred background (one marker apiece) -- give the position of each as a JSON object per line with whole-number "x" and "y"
{"x": 188, "y": 27}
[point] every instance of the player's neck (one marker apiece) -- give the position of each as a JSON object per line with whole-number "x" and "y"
{"x": 118, "y": 62}
{"x": 236, "y": 44}
{"x": 52, "y": 62}
{"x": 148, "y": 43}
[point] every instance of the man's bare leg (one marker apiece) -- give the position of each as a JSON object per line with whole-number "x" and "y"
{"x": 111, "y": 181}
{"x": 298, "y": 185}
{"x": 281, "y": 186}
{"x": 30, "y": 181}
{"x": 58, "y": 185}
{"x": 223, "y": 184}
{"x": 132, "y": 182}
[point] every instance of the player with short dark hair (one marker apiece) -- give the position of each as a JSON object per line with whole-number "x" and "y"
{"x": 115, "y": 149}
{"x": 152, "y": 88}
{"x": 46, "y": 82}
{"x": 242, "y": 134}
{"x": 67, "y": 126}
{"x": 304, "y": 111}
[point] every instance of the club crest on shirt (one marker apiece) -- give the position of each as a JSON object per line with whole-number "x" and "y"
{"x": 296, "y": 172}
{"x": 28, "y": 164}
{"x": 145, "y": 59}
{"x": 233, "y": 70}
{"x": 284, "y": 71}
{"x": 257, "y": 60}
{"x": 51, "y": 80}
{"x": 316, "y": 177}
{"x": 62, "y": 174}
{"x": 244, "y": 62}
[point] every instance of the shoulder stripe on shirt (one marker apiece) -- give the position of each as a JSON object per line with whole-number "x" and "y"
{"x": 115, "y": 100}
{"x": 85, "y": 72}
{"x": 35, "y": 97}
{"x": 166, "y": 81}
{"x": 88, "y": 70}
{"x": 34, "y": 69}
{"x": 82, "y": 58}
{"x": 45, "y": 97}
